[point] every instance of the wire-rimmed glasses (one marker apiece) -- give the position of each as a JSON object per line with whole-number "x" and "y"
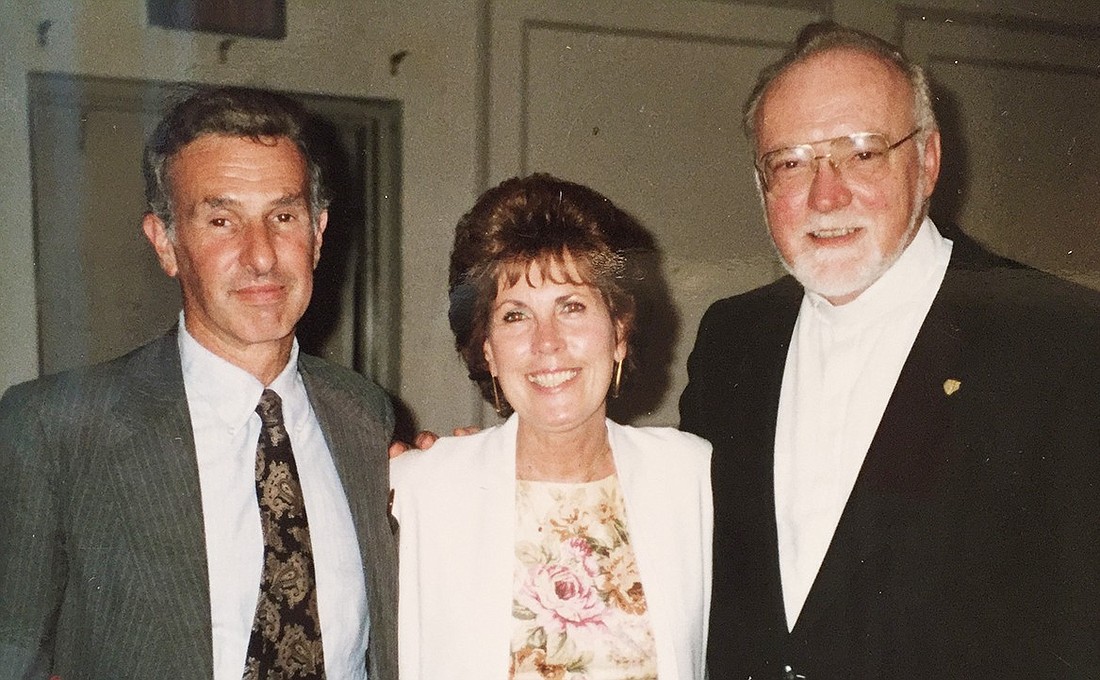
{"x": 859, "y": 157}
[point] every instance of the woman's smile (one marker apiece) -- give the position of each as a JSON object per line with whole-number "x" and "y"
{"x": 551, "y": 379}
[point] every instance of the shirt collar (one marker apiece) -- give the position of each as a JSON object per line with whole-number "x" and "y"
{"x": 232, "y": 392}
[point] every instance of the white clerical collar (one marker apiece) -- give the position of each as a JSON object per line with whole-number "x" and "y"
{"x": 232, "y": 391}
{"x": 918, "y": 269}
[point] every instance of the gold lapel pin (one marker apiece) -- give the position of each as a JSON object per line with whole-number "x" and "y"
{"x": 951, "y": 386}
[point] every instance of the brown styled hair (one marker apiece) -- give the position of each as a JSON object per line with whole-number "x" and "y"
{"x": 540, "y": 220}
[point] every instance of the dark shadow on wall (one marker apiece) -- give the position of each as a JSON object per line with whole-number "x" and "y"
{"x": 345, "y": 247}
{"x": 656, "y": 331}
{"x": 951, "y": 188}
{"x": 342, "y": 235}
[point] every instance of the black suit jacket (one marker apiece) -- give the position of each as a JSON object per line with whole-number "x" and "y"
{"x": 103, "y": 570}
{"x": 969, "y": 544}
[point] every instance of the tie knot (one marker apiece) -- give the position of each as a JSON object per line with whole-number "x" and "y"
{"x": 270, "y": 408}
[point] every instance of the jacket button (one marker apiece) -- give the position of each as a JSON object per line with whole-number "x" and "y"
{"x": 789, "y": 674}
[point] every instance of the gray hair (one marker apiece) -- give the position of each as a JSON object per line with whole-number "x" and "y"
{"x": 234, "y": 112}
{"x": 826, "y": 36}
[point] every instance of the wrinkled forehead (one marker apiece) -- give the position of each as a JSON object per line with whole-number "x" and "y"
{"x": 833, "y": 93}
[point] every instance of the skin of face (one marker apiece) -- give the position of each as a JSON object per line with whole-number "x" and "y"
{"x": 838, "y": 237}
{"x": 243, "y": 247}
{"x": 553, "y": 346}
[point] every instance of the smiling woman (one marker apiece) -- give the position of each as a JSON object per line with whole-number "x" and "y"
{"x": 552, "y": 346}
{"x": 559, "y": 544}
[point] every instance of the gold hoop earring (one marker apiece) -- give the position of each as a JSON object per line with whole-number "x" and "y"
{"x": 618, "y": 380}
{"x": 496, "y": 396}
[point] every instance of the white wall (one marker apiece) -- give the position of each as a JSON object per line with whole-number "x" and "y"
{"x": 337, "y": 47}
{"x": 641, "y": 100}
{"x": 343, "y": 48}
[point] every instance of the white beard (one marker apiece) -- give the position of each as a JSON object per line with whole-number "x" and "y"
{"x": 844, "y": 273}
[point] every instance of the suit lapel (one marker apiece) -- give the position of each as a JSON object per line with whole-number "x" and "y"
{"x": 753, "y": 545}
{"x": 357, "y": 442}
{"x": 766, "y": 379}
{"x": 348, "y": 433}
{"x": 160, "y": 513}
{"x": 345, "y": 441}
{"x": 911, "y": 446}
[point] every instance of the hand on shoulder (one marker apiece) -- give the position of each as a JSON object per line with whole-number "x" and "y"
{"x": 426, "y": 439}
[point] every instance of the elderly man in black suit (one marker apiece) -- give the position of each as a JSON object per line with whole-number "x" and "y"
{"x": 213, "y": 504}
{"x": 906, "y": 430}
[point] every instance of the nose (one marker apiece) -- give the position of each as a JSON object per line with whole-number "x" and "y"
{"x": 258, "y": 248}
{"x": 547, "y": 336}
{"x": 828, "y": 191}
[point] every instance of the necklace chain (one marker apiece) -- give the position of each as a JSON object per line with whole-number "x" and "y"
{"x": 589, "y": 473}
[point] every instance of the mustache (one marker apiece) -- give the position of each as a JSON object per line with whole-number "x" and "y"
{"x": 832, "y": 222}
{"x": 272, "y": 278}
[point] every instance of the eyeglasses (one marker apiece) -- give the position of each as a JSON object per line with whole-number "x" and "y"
{"x": 860, "y": 157}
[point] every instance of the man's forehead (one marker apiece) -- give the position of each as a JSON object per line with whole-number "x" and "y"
{"x": 221, "y": 146}
{"x": 829, "y": 91}
{"x": 217, "y": 171}
{"x": 840, "y": 66}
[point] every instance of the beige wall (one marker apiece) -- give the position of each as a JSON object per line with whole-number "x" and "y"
{"x": 338, "y": 47}
{"x": 641, "y": 100}
{"x": 457, "y": 136}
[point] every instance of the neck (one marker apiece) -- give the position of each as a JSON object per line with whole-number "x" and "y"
{"x": 578, "y": 456}
{"x": 264, "y": 361}
{"x": 838, "y": 300}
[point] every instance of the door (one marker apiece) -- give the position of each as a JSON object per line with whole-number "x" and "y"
{"x": 642, "y": 102}
{"x": 99, "y": 287}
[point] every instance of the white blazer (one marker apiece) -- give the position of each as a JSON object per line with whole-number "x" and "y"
{"x": 455, "y": 504}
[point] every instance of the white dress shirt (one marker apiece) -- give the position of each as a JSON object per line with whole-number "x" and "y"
{"x": 841, "y": 369}
{"x": 222, "y": 399}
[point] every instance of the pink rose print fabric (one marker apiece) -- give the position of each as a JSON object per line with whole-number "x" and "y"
{"x": 579, "y": 610}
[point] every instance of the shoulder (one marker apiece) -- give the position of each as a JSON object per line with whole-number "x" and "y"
{"x": 1004, "y": 294}
{"x": 449, "y": 459}
{"x": 70, "y": 413}
{"x": 1045, "y": 328}
{"x": 998, "y": 276}
{"x": 330, "y": 379}
{"x": 763, "y": 310}
{"x": 664, "y": 446}
{"x": 668, "y": 439}
{"x": 337, "y": 376}
{"x": 98, "y": 385}
{"x": 785, "y": 289}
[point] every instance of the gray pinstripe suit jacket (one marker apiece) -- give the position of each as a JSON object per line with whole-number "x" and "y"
{"x": 102, "y": 558}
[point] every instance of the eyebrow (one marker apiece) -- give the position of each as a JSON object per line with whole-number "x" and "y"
{"x": 558, "y": 300}
{"x": 861, "y": 133}
{"x": 227, "y": 202}
{"x": 219, "y": 202}
{"x": 290, "y": 199}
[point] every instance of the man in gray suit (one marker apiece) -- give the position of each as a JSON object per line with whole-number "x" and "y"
{"x": 131, "y": 545}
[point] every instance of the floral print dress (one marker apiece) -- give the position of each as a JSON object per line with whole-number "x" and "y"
{"x": 578, "y": 611}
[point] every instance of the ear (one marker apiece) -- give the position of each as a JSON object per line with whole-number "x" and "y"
{"x": 487, "y": 349}
{"x": 620, "y": 342}
{"x": 322, "y": 222}
{"x": 157, "y": 233}
{"x": 931, "y": 162}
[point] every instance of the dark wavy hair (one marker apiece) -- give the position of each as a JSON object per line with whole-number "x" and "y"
{"x": 232, "y": 111}
{"x": 540, "y": 220}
